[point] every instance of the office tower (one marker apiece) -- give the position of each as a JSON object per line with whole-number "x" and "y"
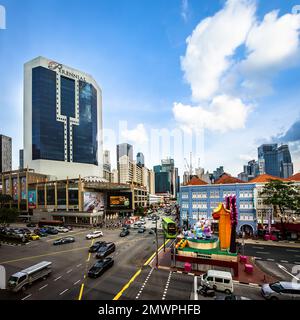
{"x": 124, "y": 149}
{"x": 285, "y": 162}
{"x": 140, "y": 159}
{"x": 62, "y": 120}
{"x": 106, "y": 160}
{"x": 21, "y": 159}
{"x": 275, "y": 160}
{"x": 5, "y": 153}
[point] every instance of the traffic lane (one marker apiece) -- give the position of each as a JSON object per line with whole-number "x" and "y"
{"x": 273, "y": 253}
{"x": 128, "y": 256}
{"x": 152, "y": 286}
{"x": 180, "y": 287}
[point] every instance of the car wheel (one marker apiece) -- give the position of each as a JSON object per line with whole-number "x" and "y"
{"x": 215, "y": 287}
{"x": 227, "y": 291}
{"x": 24, "y": 288}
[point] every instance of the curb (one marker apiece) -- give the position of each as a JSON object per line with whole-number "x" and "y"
{"x": 13, "y": 244}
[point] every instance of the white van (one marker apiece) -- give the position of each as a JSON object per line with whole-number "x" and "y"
{"x": 217, "y": 280}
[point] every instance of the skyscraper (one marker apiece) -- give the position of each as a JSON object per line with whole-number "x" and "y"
{"x": 106, "y": 160}
{"x": 21, "y": 159}
{"x": 267, "y": 156}
{"x": 124, "y": 149}
{"x": 5, "y": 153}
{"x": 140, "y": 159}
{"x": 275, "y": 160}
{"x": 62, "y": 120}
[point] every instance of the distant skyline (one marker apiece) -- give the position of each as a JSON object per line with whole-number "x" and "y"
{"x": 226, "y": 71}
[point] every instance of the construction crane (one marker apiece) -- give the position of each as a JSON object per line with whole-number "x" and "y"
{"x": 189, "y": 166}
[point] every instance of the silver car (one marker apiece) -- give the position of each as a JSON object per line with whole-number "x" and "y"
{"x": 281, "y": 291}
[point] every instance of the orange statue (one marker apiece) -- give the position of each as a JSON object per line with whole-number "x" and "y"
{"x": 222, "y": 214}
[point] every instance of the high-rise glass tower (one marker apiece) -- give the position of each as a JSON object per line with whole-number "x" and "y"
{"x": 140, "y": 159}
{"x": 62, "y": 120}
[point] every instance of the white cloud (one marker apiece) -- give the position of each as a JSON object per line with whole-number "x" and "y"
{"x": 184, "y": 9}
{"x": 222, "y": 114}
{"x": 273, "y": 43}
{"x": 212, "y": 44}
{"x": 137, "y": 135}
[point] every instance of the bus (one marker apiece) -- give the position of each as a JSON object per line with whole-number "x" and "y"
{"x": 169, "y": 228}
{"x": 54, "y": 223}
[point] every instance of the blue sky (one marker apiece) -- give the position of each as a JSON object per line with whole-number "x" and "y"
{"x": 153, "y": 78}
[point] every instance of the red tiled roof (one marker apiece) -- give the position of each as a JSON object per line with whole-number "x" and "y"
{"x": 195, "y": 181}
{"x": 265, "y": 178}
{"x": 295, "y": 177}
{"x": 227, "y": 178}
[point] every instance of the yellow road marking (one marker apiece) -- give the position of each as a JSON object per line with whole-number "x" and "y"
{"x": 127, "y": 285}
{"x": 42, "y": 255}
{"x": 81, "y": 291}
{"x": 118, "y": 295}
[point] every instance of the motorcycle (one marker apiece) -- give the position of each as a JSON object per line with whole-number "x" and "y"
{"x": 206, "y": 291}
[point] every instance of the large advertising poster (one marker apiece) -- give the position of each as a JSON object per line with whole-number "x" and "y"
{"x": 7, "y": 186}
{"x": 120, "y": 201}
{"x": 15, "y": 188}
{"x": 23, "y": 188}
{"x": 93, "y": 201}
{"x": 31, "y": 199}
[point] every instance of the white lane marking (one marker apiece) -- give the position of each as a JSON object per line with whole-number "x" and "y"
{"x": 195, "y": 288}
{"x": 285, "y": 270}
{"x": 76, "y": 282}
{"x": 270, "y": 259}
{"x": 284, "y": 261}
{"x": 292, "y": 250}
{"x": 262, "y": 252}
{"x": 63, "y": 292}
{"x": 260, "y": 248}
{"x": 257, "y": 258}
{"x": 143, "y": 285}
{"x": 167, "y": 285}
{"x": 57, "y": 278}
{"x": 80, "y": 264}
{"x": 27, "y": 297}
{"x": 70, "y": 271}
{"x": 296, "y": 262}
{"x": 41, "y": 288}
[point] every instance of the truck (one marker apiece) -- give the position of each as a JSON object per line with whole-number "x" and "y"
{"x": 24, "y": 278}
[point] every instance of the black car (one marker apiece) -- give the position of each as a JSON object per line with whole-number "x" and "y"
{"x": 64, "y": 240}
{"x": 51, "y": 231}
{"x": 100, "y": 267}
{"x": 31, "y": 225}
{"x": 40, "y": 232}
{"x": 125, "y": 232}
{"x": 104, "y": 251}
{"x": 141, "y": 230}
{"x": 96, "y": 246}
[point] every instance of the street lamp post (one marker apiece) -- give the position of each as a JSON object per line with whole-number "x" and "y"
{"x": 156, "y": 243}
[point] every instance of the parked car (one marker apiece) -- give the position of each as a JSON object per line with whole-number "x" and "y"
{"x": 69, "y": 227}
{"x": 100, "y": 267}
{"x": 51, "y": 230}
{"x": 141, "y": 230}
{"x": 96, "y": 246}
{"x": 40, "y": 232}
{"x": 31, "y": 225}
{"x": 25, "y": 230}
{"x": 94, "y": 234}
{"x": 33, "y": 236}
{"x": 64, "y": 241}
{"x": 125, "y": 232}
{"x": 62, "y": 229}
{"x": 231, "y": 297}
{"x": 105, "y": 250}
{"x": 281, "y": 290}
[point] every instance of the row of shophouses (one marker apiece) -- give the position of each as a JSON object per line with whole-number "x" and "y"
{"x": 199, "y": 199}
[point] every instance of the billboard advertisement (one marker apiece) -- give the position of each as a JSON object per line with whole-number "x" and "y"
{"x": 31, "y": 199}
{"x": 23, "y": 188}
{"x": 15, "y": 188}
{"x": 93, "y": 201}
{"x": 119, "y": 201}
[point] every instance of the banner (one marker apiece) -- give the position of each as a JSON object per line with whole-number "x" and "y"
{"x": 93, "y": 201}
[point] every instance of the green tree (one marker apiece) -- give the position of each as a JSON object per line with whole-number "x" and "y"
{"x": 7, "y": 216}
{"x": 4, "y": 199}
{"x": 283, "y": 197}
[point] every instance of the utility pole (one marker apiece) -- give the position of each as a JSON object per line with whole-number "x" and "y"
{"x": 156, "y": 243}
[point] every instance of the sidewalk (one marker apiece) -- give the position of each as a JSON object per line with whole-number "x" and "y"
{"x": 289, "y": 244}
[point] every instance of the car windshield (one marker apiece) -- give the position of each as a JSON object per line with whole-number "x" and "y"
{"x": 102, "y": 249}
{"x": 99, "y": 264}
{"x": 205, "y": 276}
{"x": 13, "y": 280}
{"x": 277, "y": 287}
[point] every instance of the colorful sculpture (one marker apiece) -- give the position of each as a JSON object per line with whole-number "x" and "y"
{"x": 223, "y": 215}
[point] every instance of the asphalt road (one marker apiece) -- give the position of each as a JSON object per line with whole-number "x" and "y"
{"x": 71, "y": 263}
{"x": 273, "y": 253}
